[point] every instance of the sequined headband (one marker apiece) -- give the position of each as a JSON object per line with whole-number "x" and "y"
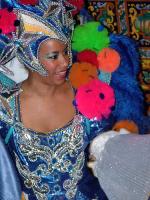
{"x": 23, "y": 27}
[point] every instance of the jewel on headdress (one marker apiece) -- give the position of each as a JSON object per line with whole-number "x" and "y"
{"x": 8, "y": 21}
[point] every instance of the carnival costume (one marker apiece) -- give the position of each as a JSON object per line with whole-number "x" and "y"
{"x": 52, "y": 166}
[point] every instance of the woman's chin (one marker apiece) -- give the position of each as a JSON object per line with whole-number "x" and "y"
{"x": 59, "y": 80}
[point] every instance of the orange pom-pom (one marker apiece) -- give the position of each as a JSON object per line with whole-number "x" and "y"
{"x": 82, "y": 73}
{"x": 88, "y": 56}
{"x": 126, "y": 124}
{"x": 22, "y": 197}
{"x": 108, "y": 59}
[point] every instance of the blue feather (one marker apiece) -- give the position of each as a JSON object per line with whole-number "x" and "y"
{"x": 129, "y": 97}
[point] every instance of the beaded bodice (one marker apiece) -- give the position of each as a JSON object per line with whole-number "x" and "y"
{"x": 51, "y": 166}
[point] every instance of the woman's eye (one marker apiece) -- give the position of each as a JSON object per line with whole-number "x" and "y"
{"x": 53, "y": 57}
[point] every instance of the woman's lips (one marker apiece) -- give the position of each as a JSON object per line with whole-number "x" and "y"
{"x": 61, "y": 74}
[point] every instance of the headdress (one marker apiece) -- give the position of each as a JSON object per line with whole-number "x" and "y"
{"x": 23, "y": 27}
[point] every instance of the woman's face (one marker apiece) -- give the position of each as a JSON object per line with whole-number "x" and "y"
{"x": 53, "y": 55}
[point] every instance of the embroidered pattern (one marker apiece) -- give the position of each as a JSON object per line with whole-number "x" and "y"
{"x": 65, "y": 157}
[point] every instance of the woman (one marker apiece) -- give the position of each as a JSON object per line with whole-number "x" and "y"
{"x": 44, "y": 132}
{"x": 47, "y": 145}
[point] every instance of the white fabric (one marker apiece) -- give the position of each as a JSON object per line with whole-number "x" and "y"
{"x": 123, "y": 165}
{"x": 20, "y": 73}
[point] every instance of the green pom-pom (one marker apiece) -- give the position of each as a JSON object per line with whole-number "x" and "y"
{"x": 89, "y": 36}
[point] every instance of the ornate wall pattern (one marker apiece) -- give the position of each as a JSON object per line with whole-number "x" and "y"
{"x": 132, "y": 18}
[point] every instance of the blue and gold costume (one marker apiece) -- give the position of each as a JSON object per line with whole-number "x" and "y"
{"x": 51, "y": 166}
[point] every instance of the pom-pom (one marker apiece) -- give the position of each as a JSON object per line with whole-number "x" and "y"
{"x": 7, "y": 20}
{"x": 126, "y": 124}
{"x": 88, "y": 56}
{"x": 82, "y": 73}
{"x": 29, "y": 2}
{"x": 108, "y": 59}
{"x": 95, "y": 100}
{"x": 88, "y": 36}
{"x": 79, "y": 4}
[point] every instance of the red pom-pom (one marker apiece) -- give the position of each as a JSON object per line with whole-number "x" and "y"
{"x": 95, "y": 100}
{"x": 7, "y": 21}
{"x": 108, "y": 59}
{"x": 79, "y": 4}
{"x": 88, "y": 56}
{"x": 29, "y": 2}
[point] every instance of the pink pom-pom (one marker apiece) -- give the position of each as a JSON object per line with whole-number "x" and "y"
{"x": 79, "y": 4}
{"x": 88, "y": 56}
{"x": 7, "y": 21}
{"x": 108, "y": 59}
{"x": 95, "y": 100}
